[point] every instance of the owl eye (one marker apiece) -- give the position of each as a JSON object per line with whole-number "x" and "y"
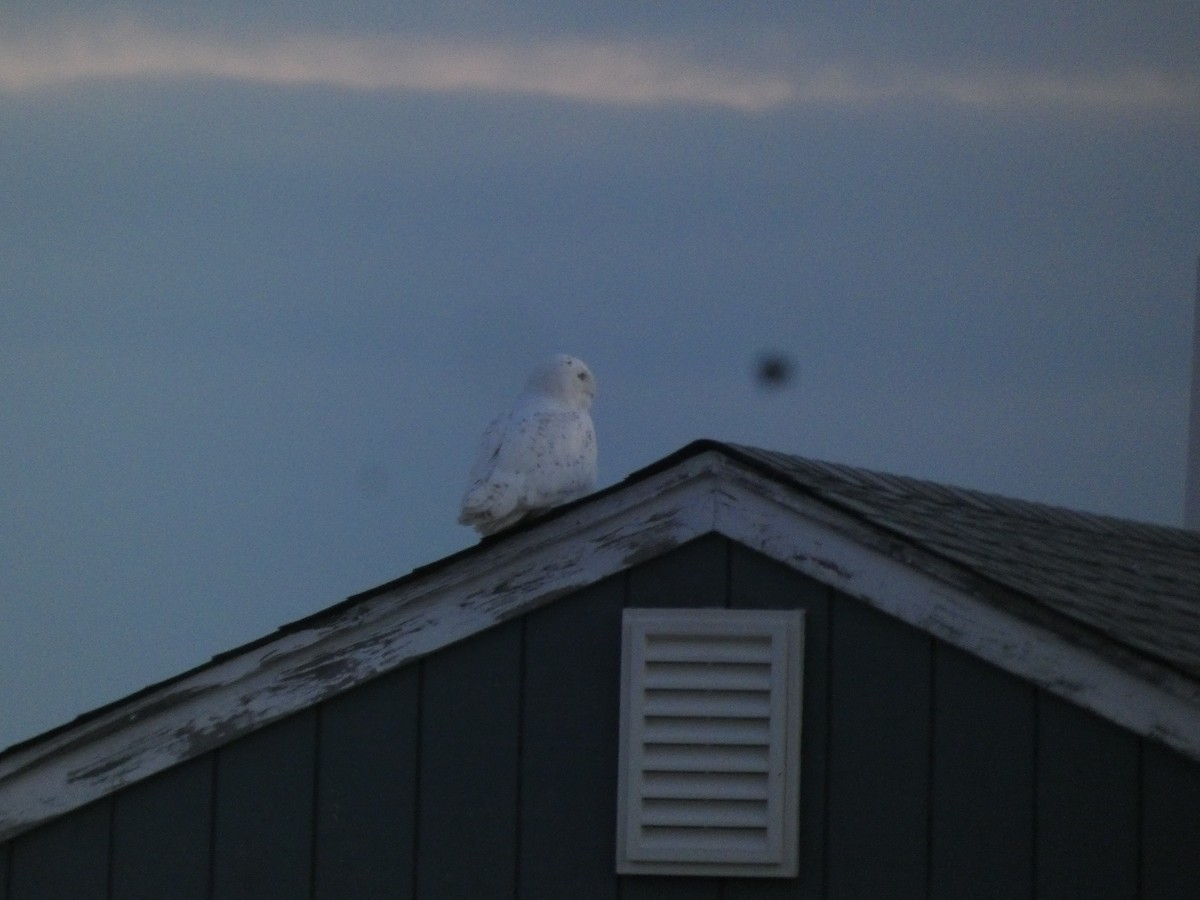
{"x": 582, "y": 376}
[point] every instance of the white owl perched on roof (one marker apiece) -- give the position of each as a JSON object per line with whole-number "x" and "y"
{"x": 538, "y": 455}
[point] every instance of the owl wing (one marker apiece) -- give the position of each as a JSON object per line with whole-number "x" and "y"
{"x": 563, "y": 444}
{"x": 492, "y": 492}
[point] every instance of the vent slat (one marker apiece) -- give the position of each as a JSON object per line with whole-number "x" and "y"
{"x": 705, "y": 813}
{"x": 706, "y": 785}
{"x": 708, "y": 676}
{"x": 705, "y": 758}
{"x": 708, "y": 704}
{"x": 704, "y": 841}
{"x": 684, "y": 730}
{"x": 708, "y": 648}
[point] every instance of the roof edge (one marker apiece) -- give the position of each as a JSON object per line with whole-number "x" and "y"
{"x": 319, "y": 657}
{"x": 706, "y": 486}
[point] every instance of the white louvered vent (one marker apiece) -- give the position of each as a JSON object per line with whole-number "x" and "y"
{"x": 710, "y": 740}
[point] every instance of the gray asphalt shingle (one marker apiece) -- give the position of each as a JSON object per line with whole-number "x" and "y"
{"x": 1137, "y": 583}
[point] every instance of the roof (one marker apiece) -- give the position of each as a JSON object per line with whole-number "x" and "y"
{"x": 1137, "y": 583}
{"x": 1101, "y": 611}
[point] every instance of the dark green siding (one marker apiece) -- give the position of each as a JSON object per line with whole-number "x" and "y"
{"x": 470, "y": 762}
{"x": 879, "y": 752}
{"x": 1087, "y": 804}
{"x": 262, "y": 833}
{"x": 488, "y": 769}
{"x": 162, "y": 833}
{"x": 984, "y": 737}
{"x": 367, "y": 790}
{"x": 1170, "y": 825}
{"x": 66, "y": 859}
{"x": 694, "y": 575}
{"x": 569, "y": 759}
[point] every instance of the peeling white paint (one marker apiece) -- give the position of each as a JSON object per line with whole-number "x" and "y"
{"x": 507, "y": 577}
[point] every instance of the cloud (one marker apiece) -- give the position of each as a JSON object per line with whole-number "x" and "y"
{"x": 610, "y": 73}
{"x": 629, "y": 73}
{"x": 1130, "y": 90}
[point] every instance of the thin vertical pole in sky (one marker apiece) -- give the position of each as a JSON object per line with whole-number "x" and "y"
{"x": 1191, "y": 503}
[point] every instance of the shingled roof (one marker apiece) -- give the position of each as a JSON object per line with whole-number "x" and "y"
{"x": 1137, "y": 583}
{"x": 1102, "y": 612}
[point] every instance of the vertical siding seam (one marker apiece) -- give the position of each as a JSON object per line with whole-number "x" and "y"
{"x": 832, "y": 605}
{"x": 1140, "y": 844}
{"x": 212, "y": 823}
{"x": 111, "y": 841}
{"x": 315, "y": 816}
{"x": 417, "y": 769}
{"x": 625, "y": 580}
{"x": 519, "y": 786}
{"x": 826, "y": 635}
{"x": 1032, "y": 691}
{"x": 1036, "y": 780}
{"x": 931, "y": 760}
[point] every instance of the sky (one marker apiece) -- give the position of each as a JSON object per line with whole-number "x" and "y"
{"x": 267, "y": 270}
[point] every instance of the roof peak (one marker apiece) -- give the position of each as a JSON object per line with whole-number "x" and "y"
{"x": 1101, "y": 611}
{"x": 814, "y": 473}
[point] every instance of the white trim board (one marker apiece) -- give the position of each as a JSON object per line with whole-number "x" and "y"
{"x": 248, "y": 689}
{"x": 507, "y": 577}
{"x": 945, "y": 600}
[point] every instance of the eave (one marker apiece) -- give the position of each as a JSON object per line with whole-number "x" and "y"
{"x": 502, "y": 578}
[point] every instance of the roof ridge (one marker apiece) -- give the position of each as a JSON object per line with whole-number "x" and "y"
{"x": 989, "y": 501}
{"x": 1087, "y": 589}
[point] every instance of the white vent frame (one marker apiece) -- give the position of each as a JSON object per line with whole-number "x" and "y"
{"x": 695, "y": 668}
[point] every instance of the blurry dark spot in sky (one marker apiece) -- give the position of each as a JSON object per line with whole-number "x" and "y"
{"x": 774, "y": 370}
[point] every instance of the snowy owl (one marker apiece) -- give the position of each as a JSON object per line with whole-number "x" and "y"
{"x": 539, "y": 454}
